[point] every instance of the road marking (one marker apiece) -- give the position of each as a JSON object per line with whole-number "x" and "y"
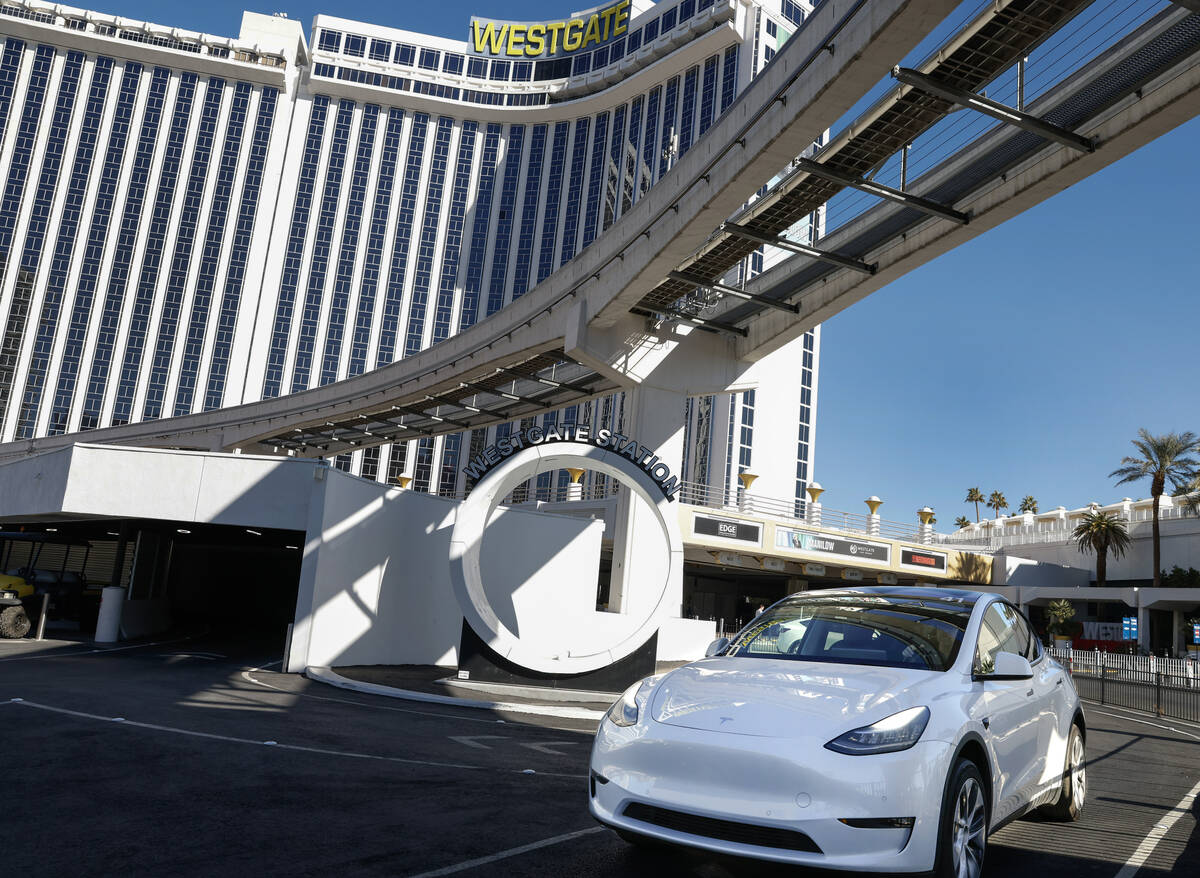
{"x": 473, "y": 740}
{"x": 1145, "y": 722}
{"x": 511, "y": 852}
{"x": 1150, "y": 842}
{"x": 545, "y": 747}
{"x": 350, "y": 754}
{"x": 246, "y": 675}
{"x": 97, "y": 650}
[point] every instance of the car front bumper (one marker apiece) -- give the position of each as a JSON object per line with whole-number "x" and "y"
{"x": 689, "y": 786}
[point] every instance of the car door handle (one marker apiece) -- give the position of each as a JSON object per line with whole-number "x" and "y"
{"x": 1058, "y": 682}
{"x": 1030, "y": 692}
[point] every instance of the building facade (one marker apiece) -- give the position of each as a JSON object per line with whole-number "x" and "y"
{"x": 189, "y": 222}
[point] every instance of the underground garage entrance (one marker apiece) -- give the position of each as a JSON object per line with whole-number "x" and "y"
{"x": 238, "y": 583}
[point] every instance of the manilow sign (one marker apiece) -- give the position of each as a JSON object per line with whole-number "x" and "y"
{"x": 545, "y": 39}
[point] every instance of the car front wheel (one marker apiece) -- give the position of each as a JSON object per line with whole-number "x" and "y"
{"x": 962, "y": 839}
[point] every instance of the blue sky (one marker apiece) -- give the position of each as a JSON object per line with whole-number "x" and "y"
{"x": 1023, "y": 361}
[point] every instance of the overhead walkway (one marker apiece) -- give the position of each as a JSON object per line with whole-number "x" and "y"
{"x": 659, "y": 267}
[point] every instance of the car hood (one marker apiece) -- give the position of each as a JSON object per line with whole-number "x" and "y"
{"x": 786, "y": 698}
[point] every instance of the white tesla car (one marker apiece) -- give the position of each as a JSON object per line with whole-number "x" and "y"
{"x": 895, "y": 734}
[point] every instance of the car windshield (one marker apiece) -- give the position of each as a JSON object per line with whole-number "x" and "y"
{"x": 858, "y": 629}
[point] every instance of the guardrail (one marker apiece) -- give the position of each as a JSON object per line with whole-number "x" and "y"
{"x": 1164, "y": 687}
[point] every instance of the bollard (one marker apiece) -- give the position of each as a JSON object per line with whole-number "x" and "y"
{"x": 41, "y": 632}
{"x": 108, "y": 622}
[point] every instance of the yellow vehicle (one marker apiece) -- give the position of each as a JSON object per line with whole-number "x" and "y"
{"x": 14, "y": 621}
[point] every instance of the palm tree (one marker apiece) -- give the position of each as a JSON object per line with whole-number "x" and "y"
{"x": 1028, "y": 504}
{"x": 974, "y": 495}
{"x": 1161, "y": 459}
{"x": 997, "y": 501}
{"x": 961, "y": 522}
{"x": 1101, "y": 532}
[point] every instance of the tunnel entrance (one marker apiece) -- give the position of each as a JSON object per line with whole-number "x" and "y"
{"x": 238, "y": 584}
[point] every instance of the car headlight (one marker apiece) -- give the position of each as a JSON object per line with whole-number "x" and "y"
{"x": 626, "y": 709}
{"x": 896, "y": 732}
{"x": 8, "y": 594}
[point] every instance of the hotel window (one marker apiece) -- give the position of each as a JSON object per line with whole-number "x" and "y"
{"x": 668, "y": 20}
{"x": 583, "y": 63}
{"x": 452, "y": 63}
{"x": 356, "y": 45}
{"x": 522, "y": 71}
{"x": 330, "y": 40}
{"x": 687, "y": 9}
{"x": 477, "y": 68}
{"x": 650, "y": 31}
{"x": 617, "y": 50}
{"x": 429, "y": 59}
{"x": 381, "y": 50}
{"x": 499, "y": 71}
{"x": 635, "y": 41}
{"x": 405, "y": 54}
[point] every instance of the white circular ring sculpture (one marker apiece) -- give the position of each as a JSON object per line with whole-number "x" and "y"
{"x": 466, "y": 542}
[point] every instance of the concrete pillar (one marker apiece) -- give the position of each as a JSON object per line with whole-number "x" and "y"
{"x": 1178, "y": 646}
{"x": 653, "y": 418}
{"x": 814, "y": 503}
{"x": 1143, "y": 617}
{"x": 925, "y": 531}
{"x": 873, "y": 503}
{"x": 745, "y": 501}
{"x": 575, "y": 488}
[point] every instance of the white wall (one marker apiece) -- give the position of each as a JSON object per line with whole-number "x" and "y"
{"x": 1180, "y": 543}
{"x": 375, "y": 586}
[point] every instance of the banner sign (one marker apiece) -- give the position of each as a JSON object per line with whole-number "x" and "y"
{"x": 545, "y": 39}
{"x": 923, "y": 560}
{"x": 728, "y": 529}
{"x": 837, "y": 547}
{"x": 643, "y": 457}
{"x": 1129, "y": 628}
{"x": 1196, "y": 634}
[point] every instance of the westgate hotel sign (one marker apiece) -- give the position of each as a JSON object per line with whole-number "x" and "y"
{"x": 549, "y": 38}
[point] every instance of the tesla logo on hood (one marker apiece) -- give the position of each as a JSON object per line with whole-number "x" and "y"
{"x": 726, "y": 719}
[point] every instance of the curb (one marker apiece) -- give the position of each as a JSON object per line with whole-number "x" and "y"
{"x": 332, "y": 678}
{"x": 534, "y": 692}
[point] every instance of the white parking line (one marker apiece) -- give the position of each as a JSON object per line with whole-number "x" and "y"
{"x": 95, "y": 651}
{"x": 175, "y": 730}
{"x": 1145, "y": 722}
{"x": 1150, "y": 842}
{"x": 511, "y": 852}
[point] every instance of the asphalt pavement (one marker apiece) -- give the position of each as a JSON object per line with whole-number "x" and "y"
{"x": 196, "y": 757}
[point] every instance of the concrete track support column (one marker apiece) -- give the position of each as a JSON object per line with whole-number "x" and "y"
{"x": 654, "y": 419}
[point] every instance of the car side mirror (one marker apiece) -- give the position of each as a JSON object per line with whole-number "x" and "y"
{"x": 1008, "y": 666}
{"x": 716, "y": 647}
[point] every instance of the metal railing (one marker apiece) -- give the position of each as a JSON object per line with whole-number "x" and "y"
{"x": 1161, "y": 686}
{"x": 799, "y": 511}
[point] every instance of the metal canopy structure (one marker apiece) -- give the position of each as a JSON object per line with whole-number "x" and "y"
{"x": 989, "y": 45}
{"x": 524, "y": 388}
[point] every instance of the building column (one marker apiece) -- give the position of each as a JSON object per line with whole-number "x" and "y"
{"x": 1177, "y": 639}
{"x": 639, "y": 563}
{"x": 1143, "y": 617}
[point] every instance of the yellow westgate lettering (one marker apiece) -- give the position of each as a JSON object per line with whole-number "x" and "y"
{"x": 573, "y": 34}
{"x": 592, "y": 34}
{"x": 490, "y": 38}
{"x": 607, "y": 15}
{"x": 554, "y": 28}
{"x": 535, "y": 40}
{"x": 516, "y": 40}
{"x": 621, "y": 18}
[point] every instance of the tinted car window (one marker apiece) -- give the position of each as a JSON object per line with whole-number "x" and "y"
{"x": 1003, "y": 630}
{"x": 858, "y": 629}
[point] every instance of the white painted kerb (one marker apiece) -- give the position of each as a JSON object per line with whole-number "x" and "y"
{"x": 467, "y": 539}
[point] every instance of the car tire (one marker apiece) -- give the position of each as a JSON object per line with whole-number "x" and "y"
{"x": 962, "y": 833}
{"x": 1071, "y": 794}
{"x": 14, "y": 623}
